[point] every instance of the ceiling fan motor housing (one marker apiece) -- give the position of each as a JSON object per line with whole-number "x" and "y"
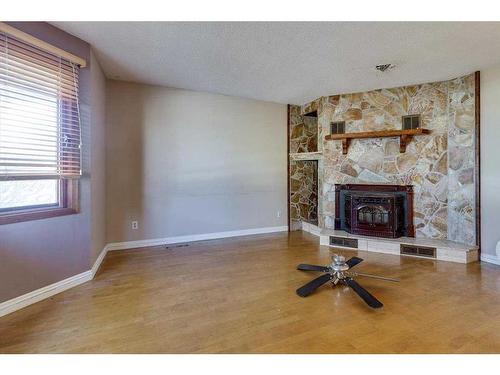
{"x": 338, "y": 264}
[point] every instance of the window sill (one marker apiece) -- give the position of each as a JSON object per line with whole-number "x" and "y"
{"x": 18, "y": 217}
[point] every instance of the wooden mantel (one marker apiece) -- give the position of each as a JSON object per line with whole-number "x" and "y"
{"x": 405, "y": 137}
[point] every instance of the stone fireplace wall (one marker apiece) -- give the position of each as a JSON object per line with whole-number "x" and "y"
{"x": 303, "y": 173}
{"x": 303, "y": 132}
{"x": 440, "y": 165}
{"x": 304, "y": 191}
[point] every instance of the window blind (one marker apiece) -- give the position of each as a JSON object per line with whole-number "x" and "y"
{"x": 40, "y": 135}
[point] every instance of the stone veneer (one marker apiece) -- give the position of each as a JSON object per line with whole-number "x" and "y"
{"x": 440, "y": 165}
{"x": 303, "y": 173}
{"x": 303, "y": 132}
{"x": 304, "y": 191}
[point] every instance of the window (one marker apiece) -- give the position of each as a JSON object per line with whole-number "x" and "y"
{"x": 40, "y": 138}
{"x": 337, "y": 127}
{"x": 411, "y": 122}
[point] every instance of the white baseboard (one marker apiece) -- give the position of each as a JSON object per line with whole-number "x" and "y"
{"x": 99, "y": 260}
{"x": 192, "y": 238}
{"x": 30, "y": 298}
{"x": 490, "y": 258}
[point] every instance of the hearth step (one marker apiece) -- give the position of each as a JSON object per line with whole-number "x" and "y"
{"x": 436, "y": 249}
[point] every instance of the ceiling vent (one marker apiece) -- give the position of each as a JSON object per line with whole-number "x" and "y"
{"x": 384, "y": 67}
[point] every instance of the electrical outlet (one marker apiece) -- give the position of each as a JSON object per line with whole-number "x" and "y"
{"x": 278, "y": 213}
{"x": 135, "y": 224}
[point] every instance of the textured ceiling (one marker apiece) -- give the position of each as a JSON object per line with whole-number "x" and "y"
{"x": 288, "y": 62}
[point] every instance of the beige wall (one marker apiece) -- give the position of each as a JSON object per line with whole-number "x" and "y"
{"x": 183, "y": 162}
{"x": 97, "y": 159}
{"x": 490, "y": 160}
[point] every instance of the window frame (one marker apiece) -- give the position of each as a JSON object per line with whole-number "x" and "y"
{"x": 68, "y": 205}
{"x": 68, "y": 193}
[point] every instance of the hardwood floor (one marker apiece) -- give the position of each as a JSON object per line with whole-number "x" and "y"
{"x": 238, "y": 296}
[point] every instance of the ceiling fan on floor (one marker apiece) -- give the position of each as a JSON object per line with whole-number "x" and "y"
{"x": 338, "y": 272}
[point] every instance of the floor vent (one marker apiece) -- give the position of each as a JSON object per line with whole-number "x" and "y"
{"x": 341, "y": 241}
{"x": 429, "y": 252}
{"x": 174, "y": 246}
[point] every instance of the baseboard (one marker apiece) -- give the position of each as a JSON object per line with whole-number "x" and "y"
{"x": 490, "y": 259}
{"x": 99, "y": 260}
{"x": 30, "y": 298}
{"x": 192, "y": 238}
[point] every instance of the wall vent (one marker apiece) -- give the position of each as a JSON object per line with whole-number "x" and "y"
{"x": 337, "y": 127}
{"x": 429, "y": 252}
{"x": 411, "y": 122}
{"x": 346, "y": 242}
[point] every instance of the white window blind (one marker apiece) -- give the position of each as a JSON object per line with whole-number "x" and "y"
{"x": 40, "y": 134}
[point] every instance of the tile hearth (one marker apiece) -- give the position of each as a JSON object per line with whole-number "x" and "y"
{"x": 445, "y": 250}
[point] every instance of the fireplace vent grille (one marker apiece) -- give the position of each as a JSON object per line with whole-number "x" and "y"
{"x": 341, "y": 241}
{"x": 429, "y": 252}
{"x": 411, "y": 122}
{"x": 337, "y": 127}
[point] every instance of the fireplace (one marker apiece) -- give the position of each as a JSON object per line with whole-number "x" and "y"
{"x": 375, "y": 210}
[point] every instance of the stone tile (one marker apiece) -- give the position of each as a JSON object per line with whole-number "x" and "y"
{"x": 303, "y": 190}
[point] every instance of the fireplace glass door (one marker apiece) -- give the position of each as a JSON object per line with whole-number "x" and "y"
{"x": 372, "y": 214}
{"x": 376, "y": 215}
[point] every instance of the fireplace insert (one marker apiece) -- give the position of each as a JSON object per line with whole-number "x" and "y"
{"x": 375, "y": 210}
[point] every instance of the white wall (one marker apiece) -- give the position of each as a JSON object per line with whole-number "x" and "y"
{"x": 183, "y": 162}
{"x": 490, "y": 161}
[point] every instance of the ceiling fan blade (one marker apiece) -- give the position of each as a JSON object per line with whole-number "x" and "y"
{"x": 311, "y": 286}
{"x": 311, "y": 267}
{"x": 374, "y": 276}
{"x": 363, "y": 293}
{"x": 353, "y": 261}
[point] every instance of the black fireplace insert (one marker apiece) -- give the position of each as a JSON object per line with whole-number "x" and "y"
{"x": 375, "y": 210}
